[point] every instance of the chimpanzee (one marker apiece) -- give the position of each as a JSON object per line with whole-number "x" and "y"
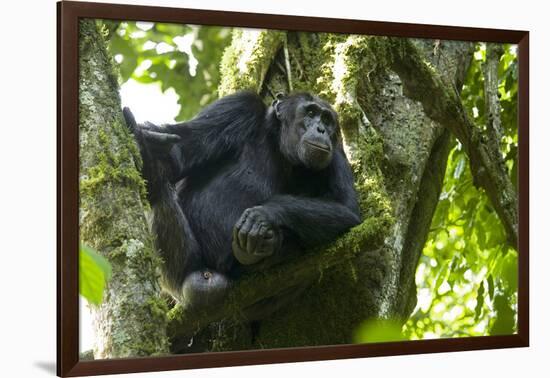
{"x": 242, "y": 182}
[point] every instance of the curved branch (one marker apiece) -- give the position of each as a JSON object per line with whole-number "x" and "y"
{"x": 441, "y": 102}
{"x": 492, "y": 102}
{"x": 268, "y": 283}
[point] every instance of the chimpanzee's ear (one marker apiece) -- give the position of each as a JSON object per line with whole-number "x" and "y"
{"x": 278, "y": 97}
{"x": 275, "y": 104}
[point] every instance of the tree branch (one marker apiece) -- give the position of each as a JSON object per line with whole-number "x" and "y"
{"x": 441, "y": 102}
{"x": 492, "y": 102}
{"x": 268, "y": 283}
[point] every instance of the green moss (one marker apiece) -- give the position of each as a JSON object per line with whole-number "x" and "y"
{"x": 150, "y": 315}
{"x": 369, "y": 181}
{"x": 307, "y": 55}
{"x": 157, "y": 309}
{"x": 114, "y": 166}
{"x": 345, "y": 59}
{"x": 246, "y": 61}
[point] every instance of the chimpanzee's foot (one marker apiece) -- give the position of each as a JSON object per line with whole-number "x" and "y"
{"x": 204, "y": 289}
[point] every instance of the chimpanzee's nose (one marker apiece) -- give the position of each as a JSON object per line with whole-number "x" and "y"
{"x": 320, "y": 129}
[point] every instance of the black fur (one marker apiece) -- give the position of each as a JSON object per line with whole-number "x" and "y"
{"x": 240, "y": 183}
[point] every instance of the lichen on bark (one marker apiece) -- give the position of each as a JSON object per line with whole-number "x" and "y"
{"x": 131, "y": 321}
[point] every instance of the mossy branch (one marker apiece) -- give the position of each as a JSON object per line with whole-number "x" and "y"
{"x": 246, "y": 61}
{"x": 441, "y": 102}
{"x": 293, "y": 273}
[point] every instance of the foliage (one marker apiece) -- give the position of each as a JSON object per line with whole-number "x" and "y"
{"x": 183, "y": 57}
{"x": 467, "y": 276}
{"x": 95, "y": 272}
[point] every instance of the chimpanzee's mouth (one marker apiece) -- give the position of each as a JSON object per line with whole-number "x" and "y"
{"x": 319, "y": 146}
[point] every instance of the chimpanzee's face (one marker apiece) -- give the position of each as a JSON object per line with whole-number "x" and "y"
{"x": 309, "y": 130}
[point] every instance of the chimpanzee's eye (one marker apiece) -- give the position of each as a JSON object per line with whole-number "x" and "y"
{"x": 326, "y": 118}
{"x": 311, "y": 111}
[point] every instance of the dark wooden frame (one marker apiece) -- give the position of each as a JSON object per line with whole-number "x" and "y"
{"x": 68, "y": 13}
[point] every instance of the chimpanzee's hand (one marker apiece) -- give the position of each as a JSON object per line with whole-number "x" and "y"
{"x": 158, "y": 141}
{"x": 154, "y": 146}
{"x": 255, "y": 237}
{"x": 151, "y": 138}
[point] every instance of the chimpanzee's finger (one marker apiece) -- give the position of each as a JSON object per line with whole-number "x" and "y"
{"x": 130, "y": 119}
{"x": 253, "y": 238}
{"x": 161, "y": 138}
{"x": 244, "y": 231}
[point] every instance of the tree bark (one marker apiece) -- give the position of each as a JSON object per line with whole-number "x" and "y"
{"x": 131, "y": 321}
{"x": 492, "y": 103}
{"x": 441, "y": 102}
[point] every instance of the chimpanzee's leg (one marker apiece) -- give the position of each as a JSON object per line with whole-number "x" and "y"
{"x": 184, "y": 275}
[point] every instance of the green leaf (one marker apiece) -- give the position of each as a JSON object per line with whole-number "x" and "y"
{"x": 480, "y": 298}
{"x": 510, "y": 271}
{"x": 491, "y": 285}
{"x": 94, "y": 273}
{"x": 442, "y": 275}
{"x": 379, "y": 330}
{"x": 505, "y": 321}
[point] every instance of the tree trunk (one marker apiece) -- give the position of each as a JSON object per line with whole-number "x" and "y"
{"x": 131, "y": 321}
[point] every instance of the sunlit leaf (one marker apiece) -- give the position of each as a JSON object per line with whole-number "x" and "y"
{"x": 510, "y": 270}
{"x": 491, "y": 286}
{"x": 94, "y": 272}
{"x": 379, "y": 330}
{"x": 480, "y": 298}
{"x": 505, "y": 321}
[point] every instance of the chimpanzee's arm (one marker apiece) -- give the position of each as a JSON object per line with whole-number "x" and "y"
{"x": 217, "y": 132}
{"x": 263, "y": 230}
{"x": 313, "y": 221}
{"x": 319, "y": 220}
